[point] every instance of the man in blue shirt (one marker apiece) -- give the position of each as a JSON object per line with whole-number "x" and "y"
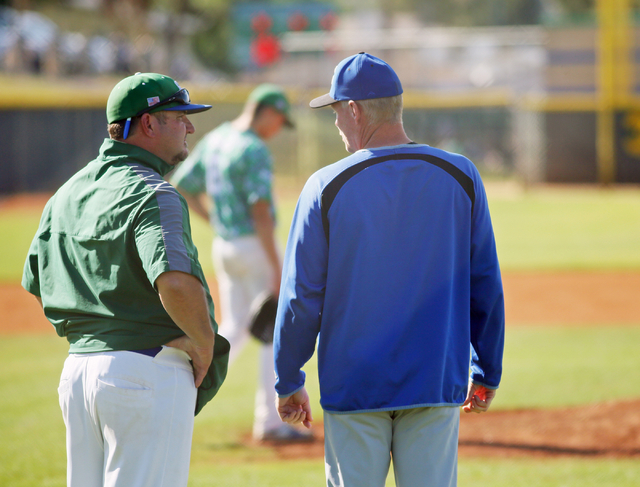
{"x": 391, "y": 264}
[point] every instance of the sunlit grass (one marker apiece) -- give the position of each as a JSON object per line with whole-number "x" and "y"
{"x": 543, "y": 367}
{"x": 563, "y": 228}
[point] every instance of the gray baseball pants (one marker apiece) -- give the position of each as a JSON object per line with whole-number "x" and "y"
{"x": 421, "y": 442}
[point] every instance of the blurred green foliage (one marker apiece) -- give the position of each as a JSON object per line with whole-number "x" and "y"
{"x": 211, "y": 44}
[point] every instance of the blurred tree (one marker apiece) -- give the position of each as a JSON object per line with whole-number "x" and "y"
{"x": 129, "y": 16}
{"x": 211, "y": 44}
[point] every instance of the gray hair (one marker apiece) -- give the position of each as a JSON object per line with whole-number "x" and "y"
{"x": 381, "y": 110}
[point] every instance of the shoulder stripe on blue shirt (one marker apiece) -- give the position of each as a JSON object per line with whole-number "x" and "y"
{"x": 170, "y": 217}
{"x": 332, "y": 189}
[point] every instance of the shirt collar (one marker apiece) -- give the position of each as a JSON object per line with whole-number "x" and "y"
{"x": 113, "y": 150}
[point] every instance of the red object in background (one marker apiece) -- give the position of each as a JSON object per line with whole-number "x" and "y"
{"x": 265, "y": 49}
{"x": 481, "y": 392}
{"x": 297, "y": 21}
{"x": 261, "y": 22}
{"x": 329, "y": 21}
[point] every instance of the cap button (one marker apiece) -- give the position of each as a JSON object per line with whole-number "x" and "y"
{"x": 362, "y": 52}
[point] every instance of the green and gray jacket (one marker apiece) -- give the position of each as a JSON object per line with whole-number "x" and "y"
{"x": 103, "y": 240}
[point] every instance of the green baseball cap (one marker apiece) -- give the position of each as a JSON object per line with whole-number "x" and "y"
{"x": 274, "y": 96}
{"x": 148, "y": 93}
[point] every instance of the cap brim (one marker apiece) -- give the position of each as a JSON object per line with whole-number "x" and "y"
{"x": 322, "y": 101}
{"x": 191, "y": 108}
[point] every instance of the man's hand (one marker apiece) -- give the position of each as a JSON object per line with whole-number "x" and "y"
{"x": 295, "y": 408}
{"x": 201, "y": 357}
{"x": 478, "y": 399}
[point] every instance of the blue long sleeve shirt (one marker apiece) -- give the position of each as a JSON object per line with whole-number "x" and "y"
{"x": 391, "y": 266}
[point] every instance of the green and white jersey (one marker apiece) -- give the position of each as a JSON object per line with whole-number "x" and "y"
{"x": 103, "y": 240}
{"x": 235, "y": 169}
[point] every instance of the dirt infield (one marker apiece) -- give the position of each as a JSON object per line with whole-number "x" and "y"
{"x": 604, "y": 430}
{"x": 572, "y": 298}
{"x": 544, "y": 298}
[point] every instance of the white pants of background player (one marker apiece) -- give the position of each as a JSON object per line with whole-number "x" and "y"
{"x": 129, "y": 418}
{"x": 243, "y": 272}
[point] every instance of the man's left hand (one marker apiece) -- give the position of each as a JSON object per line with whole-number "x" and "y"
{"x": 201, "y": 357}
{"x": 478, "y": 399}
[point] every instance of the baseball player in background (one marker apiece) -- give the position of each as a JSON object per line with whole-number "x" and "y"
{"x": 391, "y": 261}
{"x": 115, "y": 269}
{"x": 230, "y": 172}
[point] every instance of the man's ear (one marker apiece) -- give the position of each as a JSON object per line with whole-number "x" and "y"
{"x": 147, "y": 125}
{"x": 355, "y": 110}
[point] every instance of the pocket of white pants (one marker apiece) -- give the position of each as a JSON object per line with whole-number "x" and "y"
{"x": 65, "y": 376}
{"x": 124, "y": 387}
{"x": 63, "y": 397}
{"x": 64, "y": 385}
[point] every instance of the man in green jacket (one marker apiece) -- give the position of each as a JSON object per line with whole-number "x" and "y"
{"x": 116, "y": 271}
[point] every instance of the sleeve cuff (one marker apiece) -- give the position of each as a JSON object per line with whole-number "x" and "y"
{"x": 282, "y": 396}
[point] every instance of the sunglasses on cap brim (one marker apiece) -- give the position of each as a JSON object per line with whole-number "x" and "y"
{"x": 182, "y": 96}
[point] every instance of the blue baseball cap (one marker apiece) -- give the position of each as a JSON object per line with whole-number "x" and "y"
{"x": 360, "y": 77}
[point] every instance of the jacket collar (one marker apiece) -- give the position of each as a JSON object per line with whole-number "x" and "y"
{"x": 113, "y": 150}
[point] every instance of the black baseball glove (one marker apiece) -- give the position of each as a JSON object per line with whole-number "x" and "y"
{"x": 263, "y": 317}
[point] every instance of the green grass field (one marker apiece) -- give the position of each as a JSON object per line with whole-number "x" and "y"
{"x": 567, "y": 228}
{"x": 541, "y": 229}
{"x": 541, "y": 370}
{"x": 545, "y": 367}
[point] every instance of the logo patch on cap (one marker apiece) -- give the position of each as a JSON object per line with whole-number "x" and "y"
{"x": 153, "y": 100}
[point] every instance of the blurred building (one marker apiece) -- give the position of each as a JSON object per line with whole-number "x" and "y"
{"x": 520, "y": 101}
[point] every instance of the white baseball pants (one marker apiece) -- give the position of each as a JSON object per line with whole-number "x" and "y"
{"x": 243, "y": 272}
{"x": 129, "y": 418}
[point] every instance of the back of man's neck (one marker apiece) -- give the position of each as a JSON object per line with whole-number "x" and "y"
{"x": 387, "y": 136}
